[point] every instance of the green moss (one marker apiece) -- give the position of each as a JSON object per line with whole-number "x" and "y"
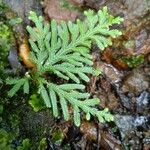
{"x": 5, "y": 44}
{"x": 42, "y": 144}
{"x": 3, "y": 10}
{"x": 36, "y": 103}
{"x": 1, "y": 109}
{"x": 25, "y": 145}
{"x": 58, "y": 137}
{"x": 8, "y": 130}
{"x": 129, "y": 44}
{"x": 133, "y": 61}
{"x": 5, "y": 140}
{"x": 11, "y": 135}
{"x": 7, "y": 40}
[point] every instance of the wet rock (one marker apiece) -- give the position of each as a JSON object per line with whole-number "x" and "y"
{"x": 94, "y": 3}
{"x": 146, "y": 147}
{"x": 127, "y": 123}
{"x": 125, "y": 101}
{"x": 142, "y": 103}
{"x": 76, "y": 2}
{"x": 124, "y": 123}
{"x": 106, "y": 94}
{"x": 136, "y": 8}
{"x": 131, "y": 128}
{"x": 107, "y": 141}
{"x": 135, "y": 82}
{"x": 23, "y": 7}
{"x": 134, "y": 142}
{"x": 105, "y": 86}
{"x": 55, "y": 11}
{"x": 110, "y": 143}
{"x": 141, "y": 121}
{"x": 14, "y": 61}
{"x": 140, "y": 39}
{"x": 89, "y": 129}
{"x": 133, "y": 11}
{"x": 145, "y": 48}
{"x": 112, "y": 102}
{"x": 111, "y": 72}
{"x": 146, "y": 141}
{"x": 148, "y": 58}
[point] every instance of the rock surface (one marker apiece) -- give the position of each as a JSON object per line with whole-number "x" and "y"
{"x": 143, "y": 103}
{"x": 54, "y": 10}
{"x": 135, "y": 82}
{"x": 23, "y": 7}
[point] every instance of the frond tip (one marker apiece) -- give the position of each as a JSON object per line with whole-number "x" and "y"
{"x": 17, "y": 84}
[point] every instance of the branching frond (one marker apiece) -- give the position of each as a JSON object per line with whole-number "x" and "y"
{"x": 63, "y": 50}
{"x": 17, "y": 84}
{"x": 67, "y": 95}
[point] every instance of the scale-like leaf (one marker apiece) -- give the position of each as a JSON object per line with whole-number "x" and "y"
{"x": 76, "y": 116}
{"x": 54, "y": 102}
{"x": 45, "y": 96}
{"x": 71, "y": 86}
{"x": 17, "y": 84}
{"x": 64, "y": 107}
{"x": 26, "y": 87}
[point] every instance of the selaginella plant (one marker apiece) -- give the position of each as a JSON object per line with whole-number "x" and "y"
{"x": 62, "y": 50}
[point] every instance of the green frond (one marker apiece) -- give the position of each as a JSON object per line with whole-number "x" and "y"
{"x": 54, "y": 45}
{"x": 76, "y": 116}
{"x": 64, "y": 50}
{"x": 26, "y": 87}
{"x": 53, "y": 102}
{"x": 45, "y": 96}
{"x": 17, "y": 84}
{"x": 66, "y": 96}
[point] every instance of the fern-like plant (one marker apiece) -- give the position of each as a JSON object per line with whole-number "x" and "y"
{"x": 63, "y": 50}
